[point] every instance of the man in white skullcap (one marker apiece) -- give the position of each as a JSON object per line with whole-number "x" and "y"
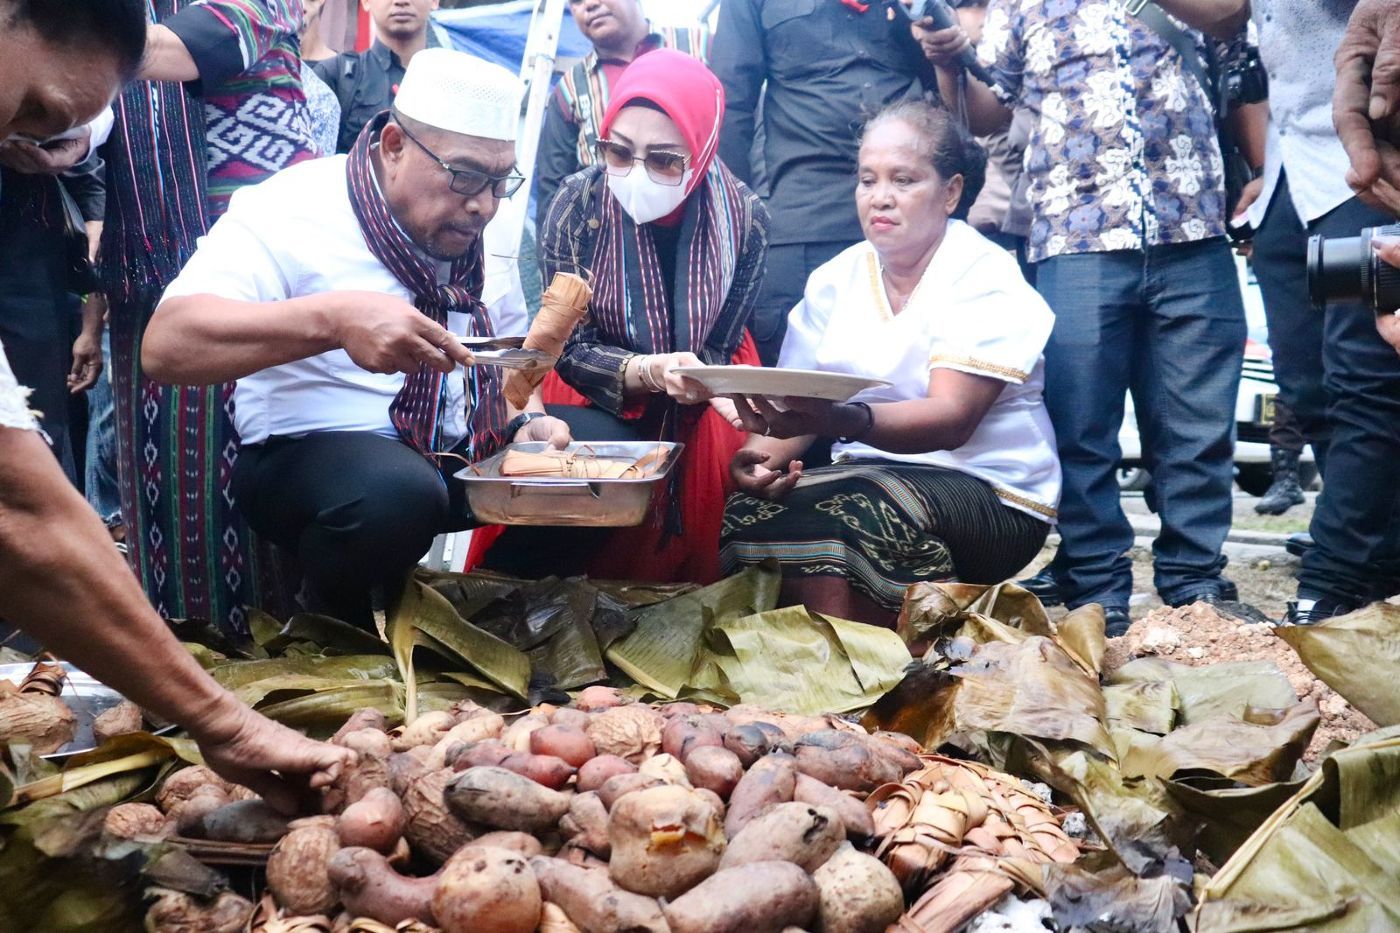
{"x": 335, "y": 293}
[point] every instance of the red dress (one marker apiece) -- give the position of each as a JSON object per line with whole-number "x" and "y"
{"x": 649, "y": 551}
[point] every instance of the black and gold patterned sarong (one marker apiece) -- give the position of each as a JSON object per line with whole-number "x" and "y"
{"x": 883, "y": 526}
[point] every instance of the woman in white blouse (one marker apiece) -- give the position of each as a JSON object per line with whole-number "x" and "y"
{"x": 950, "y": 473}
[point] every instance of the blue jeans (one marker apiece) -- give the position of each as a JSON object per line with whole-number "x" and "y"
{"x": 1167, "y": 325}
{"x": 1344, "y": 384}
{"x": 100, "y": 481}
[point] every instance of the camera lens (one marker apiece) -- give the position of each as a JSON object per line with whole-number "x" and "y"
{"x": 1347, "y": 268}
{"x": 1336, "y": 267}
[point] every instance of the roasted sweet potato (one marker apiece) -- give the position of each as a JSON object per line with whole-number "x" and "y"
{"x": 854, "y": 815}
{"x": 243, "y": 821}
{"x": 684, "y": 734}
{"x": 586, "y": 825}
{"x": 478, "y": 728}
{"x": 570, "y": 743}
{"x": 503, "y": 799}
{"x": 370, "y": 887}
{"x": 593, "y": 903}
{"x": 483, "y": 889}
{"x": 592, "y": 699}
{"x": 623, "y": 784}
{"x": 297, "y": 872}
{"x": 434, "y": 830}
{"x": 666, "y": 768}
{"x": 524, "y": 843}
{"x": 367, "y": 718}
{"x": 425, "y": 730}
{"x": 597, "y": 771}
{"x": 517, "y": 734}
{"x": 790, "y": 832}
{"x": 771, "y": 780}
{"x": 664, "y": 841}
{"x": 570, "y": 718}
{"x": 845, "y": 760}
{"x": 761, "y": 897}
{"x": 859, "y": 894}
{"x": 375, "y": 821}
{"x": 752, "y": 740}
{"x": 714, "y": 769}
{"x": 403, "y": 769}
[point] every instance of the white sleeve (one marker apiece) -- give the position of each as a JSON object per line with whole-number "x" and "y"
{"x": 1000, "y": 325}
{"x": 239, "y": 258}
{"x": 14, "y": 399}
{"x": 807, "y": 323}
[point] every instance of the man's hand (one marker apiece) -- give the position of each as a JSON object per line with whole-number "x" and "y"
{"x": 554, "y": 431}
{"x": 799, "y": 417}
{"x": 753, "y": 478}
{"x": 384, "y": 334}
{"x": 1248, "y": 195}
{"x": 87, "y": 362}
{"x": 1388, "y": 248}
{"x": 1366, "y": 102}
{"x": 280, "y": 764}
{"x": 941, "y": 46}
{"x": 52, "y": 158}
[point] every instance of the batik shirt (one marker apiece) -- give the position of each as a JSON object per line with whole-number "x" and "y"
{"x": 1123, "y": 153}
{"x": 255, "y": 112}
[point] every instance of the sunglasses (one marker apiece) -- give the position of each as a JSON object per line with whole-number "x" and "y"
{"x": 665, "y": 168}
{"x": 468, "y": 182}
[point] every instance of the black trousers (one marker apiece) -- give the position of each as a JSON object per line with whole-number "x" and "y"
{"x": 357, "y": 510}
{"x": 784, "y": 281}
{"x": 1343, "y": 383}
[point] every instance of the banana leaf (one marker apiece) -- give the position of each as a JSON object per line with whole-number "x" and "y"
{"x": 324, "y": 635}
{"x": 438, "y": 628}
{"x": 247, "y": 678}
{"x": 1032, "y": 689}
{"x": 1147, "y": 706}
{"x": 1229, "y": 814}
{"x": 1328, "y": 859}
{"x": 661, "y": 654}
{"x": 1261, "y": 748}
{"x": 1116, "y": 899}
{"x": 803, "y": 662}
{"x": 469, "y": 593}
{"x": 1228, "y": 689}
{"x": 1357, "y": 655}
{"x": 920, "y": 705}
{"x": 137, "y": 753}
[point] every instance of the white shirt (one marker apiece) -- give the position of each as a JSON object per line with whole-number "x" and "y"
{"x": 972, "y": 312}
{"x": 295, "y": 234}
{"x": 1297, "y": 39}
{"x": 14, "y": 399}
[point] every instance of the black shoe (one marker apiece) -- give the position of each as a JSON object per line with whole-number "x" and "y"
{"x": 1300, "y": 544}
{"x": 1219, "y": 590}
{"x": 1285, "y": 491}
{"x": 1233, "y": 607}
{"x": 1043, "y": 587}
{"x": 1309, "y": 611}
{"x": 1115, "y": 622}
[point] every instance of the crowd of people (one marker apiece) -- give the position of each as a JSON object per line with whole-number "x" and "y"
{"x": 285, "y": 258}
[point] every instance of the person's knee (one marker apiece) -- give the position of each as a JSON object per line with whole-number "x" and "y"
{"x": 388, "y": 526}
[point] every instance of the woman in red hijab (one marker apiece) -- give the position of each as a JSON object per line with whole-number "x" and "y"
{"x": 675, "y": 246}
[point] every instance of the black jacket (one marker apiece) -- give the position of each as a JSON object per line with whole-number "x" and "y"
{"x": 365, "y": 83}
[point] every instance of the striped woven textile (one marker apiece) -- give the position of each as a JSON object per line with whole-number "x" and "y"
{"x": 884, "y": 526}
{"x": 416, "y": 411}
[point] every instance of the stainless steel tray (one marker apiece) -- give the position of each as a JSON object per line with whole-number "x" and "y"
{"x": 86, "y": 697}
{"x": 518, "y": 500}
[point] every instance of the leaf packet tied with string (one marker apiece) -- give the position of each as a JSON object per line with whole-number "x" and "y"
{"x": 562, "y": 308}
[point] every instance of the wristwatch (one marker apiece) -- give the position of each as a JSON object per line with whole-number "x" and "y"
{"x": 519, "y": 421}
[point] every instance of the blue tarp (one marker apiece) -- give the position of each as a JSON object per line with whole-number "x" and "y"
{"x": 497, "y": 33}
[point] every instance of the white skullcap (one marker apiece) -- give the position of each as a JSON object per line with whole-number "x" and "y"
{"x": 461, "y": 93}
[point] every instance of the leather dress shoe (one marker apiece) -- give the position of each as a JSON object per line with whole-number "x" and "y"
{"x": 1115, "y": 622}
{"x": 1299, "y": 544}
{"x": 1043, "y": 587}
{"x": 1309, "y": 611}
{"x": 1219, "y": 590}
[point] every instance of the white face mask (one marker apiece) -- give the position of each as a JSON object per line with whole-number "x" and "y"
{"x": 643, "y": 198}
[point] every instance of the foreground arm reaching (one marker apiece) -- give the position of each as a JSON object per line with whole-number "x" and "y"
{"x": 63, "y": 582}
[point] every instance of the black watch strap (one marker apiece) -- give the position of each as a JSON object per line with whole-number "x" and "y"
{"x": 869, "y": 423}
{"x": 520, "y": 420}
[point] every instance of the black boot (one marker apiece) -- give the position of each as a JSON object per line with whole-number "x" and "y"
{"x": 1043, "y": 587}
{"x": 1285, "y": 491}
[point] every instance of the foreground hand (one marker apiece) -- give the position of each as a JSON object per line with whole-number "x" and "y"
{"x": 54, "y": 158}
{"x": 553, "y": 430}
{"x": 1388, "y": 248}
{"x": 941, "y": 46}
{"x": 384, "y": 334}
{"x": 802, "y": 416}
{"x": 281, "y": 765}
{"x": 1366, "y": 102}
{"x": 752, "y": 478}
{"x": 726, "y": 409}
{"x": 685, "y": 391}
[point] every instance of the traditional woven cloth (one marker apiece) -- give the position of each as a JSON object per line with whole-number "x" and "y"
{"x": 417, "y": 410}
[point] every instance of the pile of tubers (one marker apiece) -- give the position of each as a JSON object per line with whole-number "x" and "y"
{"x": 605, "y": 815}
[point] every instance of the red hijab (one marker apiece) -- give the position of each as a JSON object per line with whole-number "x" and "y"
{"x": 686, "y": 91}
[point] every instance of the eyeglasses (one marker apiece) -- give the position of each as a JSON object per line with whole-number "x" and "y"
{"x": 665, "y": 168}
{"x": 468, "y": 182}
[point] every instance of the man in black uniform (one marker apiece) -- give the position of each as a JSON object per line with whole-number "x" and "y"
{"x": 829, "y": 66}
{"x": 366, "y": 82}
